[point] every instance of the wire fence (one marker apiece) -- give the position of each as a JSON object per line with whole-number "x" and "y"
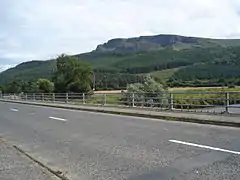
{"x": 208, "y": 102}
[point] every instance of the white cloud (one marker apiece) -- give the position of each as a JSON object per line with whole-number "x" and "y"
{"x": 42, "y": 29}
{"x": 6, "y": 66}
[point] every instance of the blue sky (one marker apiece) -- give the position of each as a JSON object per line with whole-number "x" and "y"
{"x": 42, "y": 29}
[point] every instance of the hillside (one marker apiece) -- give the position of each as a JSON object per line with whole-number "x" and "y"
{"x": 176, "y": 60}
{"x": 159, "y": 42}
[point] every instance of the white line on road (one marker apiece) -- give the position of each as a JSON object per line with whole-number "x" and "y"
{"x": 58, "y": 119}
{"x": 14, "y": 110}
{"x": 205, "y": 147}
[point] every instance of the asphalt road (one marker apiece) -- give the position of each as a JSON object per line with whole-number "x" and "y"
{"x": 95, "y": 146}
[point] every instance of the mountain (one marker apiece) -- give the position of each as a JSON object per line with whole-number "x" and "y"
{"x": 176, "y": 60}
{"x": 159, "y": 42}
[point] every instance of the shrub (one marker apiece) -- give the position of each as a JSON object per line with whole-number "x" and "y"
{"x": 149, "y": 93}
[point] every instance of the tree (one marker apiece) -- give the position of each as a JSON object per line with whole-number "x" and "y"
{"x": 45, "y": 86}
{"x": 29, "y": 86}
{"x": 146, "y": 93}
{"x": 151, "y": 86}
{"x": 14, "y": 87}
{"x": 72, "y": 75}
{"x": 2, "y": 89}
{"x": 33, "y": 87}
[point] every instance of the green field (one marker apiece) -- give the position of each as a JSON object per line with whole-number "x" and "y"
{"x": 199, "y": 97}
{"x": 186, "y": 98}
{"x": 164, "y": 74}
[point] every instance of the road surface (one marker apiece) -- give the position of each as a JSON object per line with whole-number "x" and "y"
{"x": 95, "y": 146}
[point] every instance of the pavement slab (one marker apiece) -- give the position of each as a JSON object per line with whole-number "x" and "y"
{"x": 16, "y": 166}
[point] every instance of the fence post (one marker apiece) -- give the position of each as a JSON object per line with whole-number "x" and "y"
{"x": 83, "y": 98}
{"x": 171, "y": 101}
{"x": 227, "y": 102}
{"x": 66, "y": 97}
{"x": 1, "y": 95}
{"x": 105, "y": 99}
{"x": 133, "y": 100}
{"x": 53, "y": 97}
{"x": 42, "y": 97}
{"x": 26, "y": 97}
{"x": 34, "y": 97}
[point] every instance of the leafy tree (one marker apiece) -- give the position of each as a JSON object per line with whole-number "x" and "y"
{"x": 151, "y": 86}
{"x": 2, "y": 89}
{"x": 14, "y": 87}
{"x": 147, "y": 93}
{"x": 33, "y": 87}
{"x": 72, "y": 75}
{"x": 45, "y": 86}
{"x": 29, "y": 86}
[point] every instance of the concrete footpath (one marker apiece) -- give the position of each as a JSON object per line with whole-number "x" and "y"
{"x": 16, "y": 166}
{"x": 216, "y": 119}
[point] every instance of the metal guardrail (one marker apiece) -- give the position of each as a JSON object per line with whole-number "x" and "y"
{"x": 208, "y": 102}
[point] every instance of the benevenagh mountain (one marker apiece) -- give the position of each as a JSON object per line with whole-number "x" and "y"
{"x": 172, "y": 59}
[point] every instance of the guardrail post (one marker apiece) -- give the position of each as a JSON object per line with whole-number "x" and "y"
{"x": 34, "y": 97}
{"x": 53, "y": 97}
{"x": 66, "y": 97}
{"x": 133, "y": 100}
{"x": 227, "y": 102}
{"x": 26, "y": 97}
{"x": 42, "y": 97}
{"x": 171, "y": 101}
{"x": 1, "y": 95}
{"x": 83, "y": 98}
{"x": 105, "y": 99}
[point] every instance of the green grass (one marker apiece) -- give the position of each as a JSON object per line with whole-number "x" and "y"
{"x": 197, "y": 98}
{"x": 186, "y": 99}
{"x": 111, "y": 99}
{"x": 164, "y": 74}
{"x": 205, "y": 89}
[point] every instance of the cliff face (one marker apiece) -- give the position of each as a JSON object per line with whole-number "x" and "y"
{"x": 145, "y": 43}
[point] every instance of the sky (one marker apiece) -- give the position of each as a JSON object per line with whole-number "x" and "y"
{"x": 43, "y": 29}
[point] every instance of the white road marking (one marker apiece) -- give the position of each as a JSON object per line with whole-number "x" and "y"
{"x": 58, "y": 119}
{"x": 205, "y": 147}
{"x": 14, "y": 110}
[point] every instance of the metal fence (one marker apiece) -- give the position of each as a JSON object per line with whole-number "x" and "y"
{"x": 208, "y": 102}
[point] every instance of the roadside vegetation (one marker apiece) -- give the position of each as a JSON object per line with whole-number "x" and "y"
{"x": 151, "y": 82}
{"x": 69, "y": 75}
{"x": 202, "y": 97}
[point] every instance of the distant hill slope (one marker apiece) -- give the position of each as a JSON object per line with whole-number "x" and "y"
{"x": 194, "y": 59}
{"x": 153, "y": 43}
{"x": 31, "y": 70}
